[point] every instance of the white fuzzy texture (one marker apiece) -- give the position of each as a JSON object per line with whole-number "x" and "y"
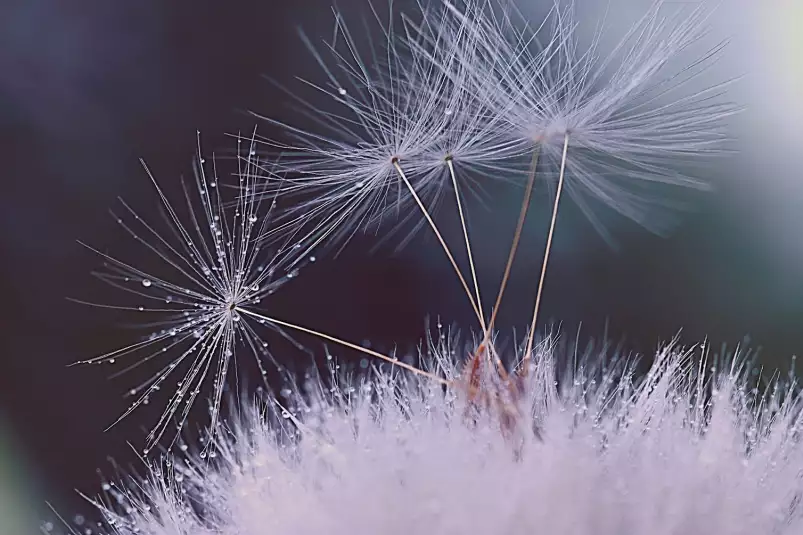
{"x": 672, "y": 453}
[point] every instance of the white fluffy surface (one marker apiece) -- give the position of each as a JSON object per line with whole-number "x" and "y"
{"x": 679, "y": 451}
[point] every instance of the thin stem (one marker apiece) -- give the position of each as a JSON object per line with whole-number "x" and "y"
{"x": 530, "y": 337}
{"x": 525, "y": 204}
{"x": 344, "y": 343}
{"x": 440, "y": 239}
{"x": 450, "y": 164}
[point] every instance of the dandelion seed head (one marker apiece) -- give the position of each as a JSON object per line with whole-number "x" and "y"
{"x": 462, "y": 93}
{"x": 674, "y": 451}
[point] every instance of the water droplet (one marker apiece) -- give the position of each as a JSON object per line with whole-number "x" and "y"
{"x": 253, "y": 218}
{"x": 146, "y": 282}
{"x": 342, "y": 91}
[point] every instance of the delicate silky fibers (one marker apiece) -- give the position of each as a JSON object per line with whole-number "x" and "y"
{"x": 681, "y": 451}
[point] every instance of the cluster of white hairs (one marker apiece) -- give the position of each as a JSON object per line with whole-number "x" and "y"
{"x": 675, "y": 452}
{"x": 475, "y": 441}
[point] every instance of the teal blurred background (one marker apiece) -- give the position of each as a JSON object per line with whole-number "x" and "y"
{"x": 21, "y": 509}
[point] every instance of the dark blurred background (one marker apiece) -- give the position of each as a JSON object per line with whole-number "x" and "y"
{"x": 89, "y": 87}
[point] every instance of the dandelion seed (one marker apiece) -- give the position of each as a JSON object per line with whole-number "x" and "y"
{"x": 208, "y": 277}
{"x": 404, "y": 134}
{"x": 624, "y": 111}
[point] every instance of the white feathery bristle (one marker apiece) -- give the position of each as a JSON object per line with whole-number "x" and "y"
{"x": 681, "y": 451}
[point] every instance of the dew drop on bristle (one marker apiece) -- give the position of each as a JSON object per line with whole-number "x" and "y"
{"x": 146, "y": 283}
